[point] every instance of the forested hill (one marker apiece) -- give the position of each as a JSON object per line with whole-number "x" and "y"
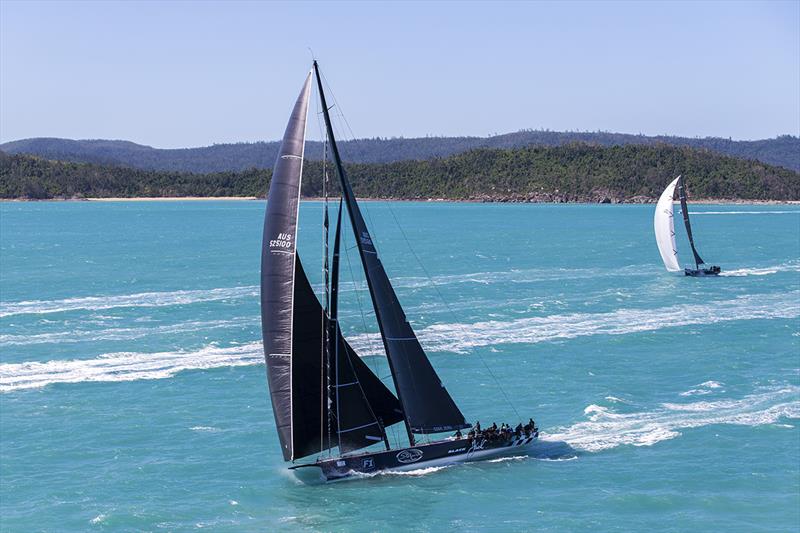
{"x": 572, "y": 173}
{"x": 782, "y": 151}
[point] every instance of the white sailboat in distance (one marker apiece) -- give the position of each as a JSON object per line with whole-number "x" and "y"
{"x": 664, "y": 224}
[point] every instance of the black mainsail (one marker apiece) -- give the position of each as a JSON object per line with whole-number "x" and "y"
{"x": 427, "y": 406}
{"x": 293, "y": 325}
{"x": 685, "y": 210}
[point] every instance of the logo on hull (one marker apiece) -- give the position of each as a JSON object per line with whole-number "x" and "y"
{"x": 409, "y": 456}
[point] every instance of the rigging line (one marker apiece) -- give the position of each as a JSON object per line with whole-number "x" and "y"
{"x": 352, "y": 139}
{"x": 372, "y": 225}
{"x": 358, "y": 291}
{"x": 450, "y": 310}
{"x": 338, "y": 107}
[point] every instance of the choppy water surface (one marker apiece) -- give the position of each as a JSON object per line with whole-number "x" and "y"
{"x": 133, "y": 395}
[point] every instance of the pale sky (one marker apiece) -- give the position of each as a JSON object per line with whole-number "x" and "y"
{"x": 185, "y": 74}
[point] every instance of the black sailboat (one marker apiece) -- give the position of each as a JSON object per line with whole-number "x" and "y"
{"x": 697, "y": 270}
{"x": 324, "y": 397}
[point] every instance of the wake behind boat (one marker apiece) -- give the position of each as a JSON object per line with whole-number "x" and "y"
{"x": 664, "y": 223}
{"x": 324, "y": 397}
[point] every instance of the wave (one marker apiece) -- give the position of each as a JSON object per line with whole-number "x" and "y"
{"x": 791, "y": 266}
{"x": 456, "y": 338}
{"x": 606, "y": 429}
{"x": 461, "y": 337}
{"x": 124, "y": 334}
{"x": 508, "y": 459}
{"x": 749, "y": 272}
{"x": 125, "y": 366}
{"x": 143, "y": 299}
{"x": 413, "y": 473}
{"x": 519, "y": 276}
{"x": 187, "y": 297}
{"x": 707, "y": 387}
{"x": 614, "y": 399}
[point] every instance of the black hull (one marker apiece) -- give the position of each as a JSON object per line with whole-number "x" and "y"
{"x": 402, "y": 459}
{"x": 702, "y": 272}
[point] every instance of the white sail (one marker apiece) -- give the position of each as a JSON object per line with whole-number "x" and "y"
{"x": 665, "y": 228}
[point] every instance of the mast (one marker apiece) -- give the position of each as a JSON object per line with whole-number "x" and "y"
{"x": 427, "y": 406}
{"x": 685, "y": 210}
{"x": 333, "y": 312}
{"x": 326, "y": 326}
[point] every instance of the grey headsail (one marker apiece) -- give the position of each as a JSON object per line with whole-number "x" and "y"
{"x": 293, "y": 320}
{"x": 685, "y": 210}
{"x": 278, "y": 269}
{"x": 427, "y": 405}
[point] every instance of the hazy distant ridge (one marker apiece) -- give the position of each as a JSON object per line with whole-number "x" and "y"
{"x": 571, "y": 173}
{"x": 782, "y": 151}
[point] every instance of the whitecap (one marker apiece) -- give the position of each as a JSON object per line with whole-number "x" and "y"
{"x": 791, "y": 266}
{"x": 125, "y": 366}
{"x": 696, "y": 392}
{"x": 605, "y": 430}
{"x": 461, "y": 337}
{"x": 508, "y": 458}
{"x": 417, "y": 472}
{"x": 710, "y": 388}
{"x": 456, "y": 338}
{"x": 124, "y": 334}
{"x": 143, "y": 299}
{"x": 614, "y": 399}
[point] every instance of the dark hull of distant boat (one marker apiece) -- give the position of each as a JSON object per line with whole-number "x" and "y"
{"x": 429, "y": 455}
{"x": 702, "y": 272}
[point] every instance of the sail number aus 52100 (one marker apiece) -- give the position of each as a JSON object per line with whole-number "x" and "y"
{"x": 284, "y": 240}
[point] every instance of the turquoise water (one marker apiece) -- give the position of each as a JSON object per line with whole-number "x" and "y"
{"x": 133, "y": 394}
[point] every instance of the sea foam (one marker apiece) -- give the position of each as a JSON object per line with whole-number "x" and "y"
{"x": 143, "y": 299}
{"x": 456, "y": 338}
{"x": 460, "y": 338}
{"x": 125, "y": 334}
{"x": 125, "y": 366}
{"x": 605, "y": 429}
